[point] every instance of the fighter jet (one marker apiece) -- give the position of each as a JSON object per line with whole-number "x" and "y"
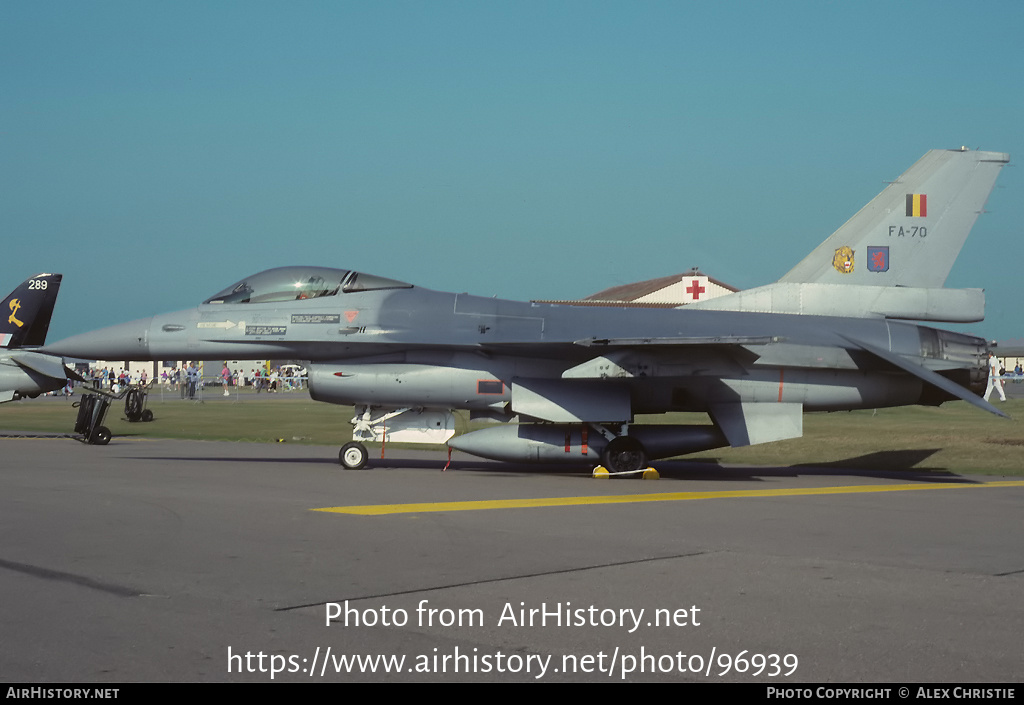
{"x": 568, "y": 382}
{"x": 24, "y": 320}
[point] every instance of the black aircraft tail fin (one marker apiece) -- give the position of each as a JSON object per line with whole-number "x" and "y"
{"x": 25, "y": 313}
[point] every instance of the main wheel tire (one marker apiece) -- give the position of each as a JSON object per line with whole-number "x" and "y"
{"x": 147, "y": 415}
{"x": 624, "y": 454}
{"x": 100, "y": 436}
{"x": 353, "y": 455}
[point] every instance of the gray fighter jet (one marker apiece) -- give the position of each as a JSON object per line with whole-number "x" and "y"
{"x": 567, "y": 382}
{"x": 24, "y": 320}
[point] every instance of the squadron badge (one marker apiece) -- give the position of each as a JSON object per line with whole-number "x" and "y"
{"x": 843, "y": 260}
{"x": 15, "y": 305}
{"x": 878, "y": 259}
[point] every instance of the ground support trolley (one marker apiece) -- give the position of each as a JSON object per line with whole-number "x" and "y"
{"x": 92, "y": 410}
{"x": 135, "y": 398}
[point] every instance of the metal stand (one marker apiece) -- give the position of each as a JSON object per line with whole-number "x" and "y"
{"x": 92, "y": 410}
{"x": 135, "y": 404}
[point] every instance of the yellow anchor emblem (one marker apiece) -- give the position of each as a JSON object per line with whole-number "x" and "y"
{"x": 15, "y": 305}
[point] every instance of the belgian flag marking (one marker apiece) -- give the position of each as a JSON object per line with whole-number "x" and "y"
{"x": 917, "y": 205}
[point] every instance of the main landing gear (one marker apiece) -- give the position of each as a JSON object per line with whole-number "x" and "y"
{"x": 624, "y": 456}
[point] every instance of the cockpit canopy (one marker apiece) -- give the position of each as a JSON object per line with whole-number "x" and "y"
{"x": 296, "y": 283}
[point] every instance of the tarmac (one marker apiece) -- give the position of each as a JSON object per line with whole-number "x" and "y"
{"x": 162, "y": 560}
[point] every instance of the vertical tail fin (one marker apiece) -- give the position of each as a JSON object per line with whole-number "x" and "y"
{"x": 911, "y": 233}
{"x": 25, "y": 313}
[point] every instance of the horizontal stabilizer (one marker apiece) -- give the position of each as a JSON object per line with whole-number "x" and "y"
{"x": 46, "y": 365}
{"x": 928, "y": 376}
{"x": 72, "y": 374}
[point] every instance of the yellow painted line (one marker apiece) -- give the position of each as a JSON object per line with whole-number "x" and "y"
{"x": 379, "y": 509}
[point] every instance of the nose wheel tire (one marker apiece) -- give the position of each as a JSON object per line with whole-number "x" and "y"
{"x": 353, "y": 455}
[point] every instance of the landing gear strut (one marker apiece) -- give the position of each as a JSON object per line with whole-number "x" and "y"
{"x": 386, "y": 424}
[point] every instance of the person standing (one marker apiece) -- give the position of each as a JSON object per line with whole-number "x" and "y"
{"x": 193, "y": 379}
{"x": 225, "y": 375}
{"x": 994, "y": 378}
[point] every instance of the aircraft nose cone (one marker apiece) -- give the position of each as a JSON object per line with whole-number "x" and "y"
{"x": 125, "y": 341}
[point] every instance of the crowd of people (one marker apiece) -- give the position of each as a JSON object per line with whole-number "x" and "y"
{"x": 106, "y": 378}
{"x": 260, "y": 379}
{"x": 189, "y": 379}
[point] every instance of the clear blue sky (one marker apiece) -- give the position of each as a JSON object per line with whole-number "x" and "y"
{"x": 156, "y": 152}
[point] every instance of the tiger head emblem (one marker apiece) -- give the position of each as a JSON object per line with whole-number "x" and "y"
{"x": 843, "y": 260}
